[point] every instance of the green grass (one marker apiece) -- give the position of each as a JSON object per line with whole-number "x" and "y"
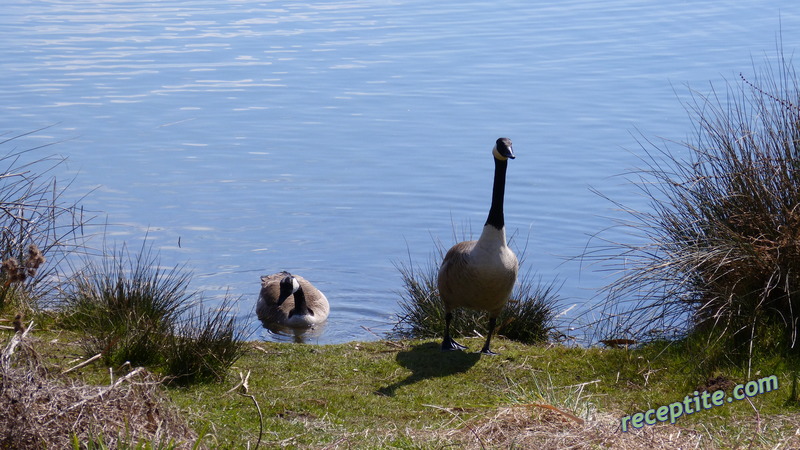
{"x": 409, "y": 394}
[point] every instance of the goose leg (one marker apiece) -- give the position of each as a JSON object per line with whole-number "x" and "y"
{"x": 448, "y": 343}
{"x": 485, "y": 350}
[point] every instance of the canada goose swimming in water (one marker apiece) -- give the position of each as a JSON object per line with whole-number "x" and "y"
{"x": 290, "y": 300}
{"x": 481, "y": 274}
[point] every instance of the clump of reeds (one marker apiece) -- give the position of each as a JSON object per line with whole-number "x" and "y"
{"x": 131, "y": 309}
{"x": 126, "y": 304}
{"x": 39, "y": 228}
{"x": 528, "y": 316}
{"x": 720, "y": 251}
{"x": 204, "y": 345}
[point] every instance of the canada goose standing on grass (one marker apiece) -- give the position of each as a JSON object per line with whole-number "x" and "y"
{"x": 290, "y": 300}
{"x": 481, "y": 274}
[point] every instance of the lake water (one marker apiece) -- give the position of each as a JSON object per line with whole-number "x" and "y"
{"x": 337, "y": 138}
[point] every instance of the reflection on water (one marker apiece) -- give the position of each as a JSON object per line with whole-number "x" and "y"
{"x": 335, "y": 139}
{"x": 309, "y": 335}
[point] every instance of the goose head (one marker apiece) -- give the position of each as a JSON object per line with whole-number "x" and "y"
{"x": 502, "y": 150}
{"x": 288, "y": 286}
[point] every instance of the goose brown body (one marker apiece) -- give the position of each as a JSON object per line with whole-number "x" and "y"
{"x": 476, "y": 276}
{"x": 305, "y": 307}
{"x": 481, "y": 274}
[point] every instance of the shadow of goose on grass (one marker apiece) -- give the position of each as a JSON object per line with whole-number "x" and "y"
{"x": 426, "y": 361}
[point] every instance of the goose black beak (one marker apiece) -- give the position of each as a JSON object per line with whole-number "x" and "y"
{"x": 507, "y": 152}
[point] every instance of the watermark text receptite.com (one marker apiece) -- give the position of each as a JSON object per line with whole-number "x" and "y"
{"x": 699, "y": 402}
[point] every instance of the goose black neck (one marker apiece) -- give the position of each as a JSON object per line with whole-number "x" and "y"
{"x": 495, "y": 218}
{"x": 300, "y": 306}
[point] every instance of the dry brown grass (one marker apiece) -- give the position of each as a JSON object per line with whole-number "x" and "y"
{"x": 43, "y": 408}
{"x": 526, "y": 426}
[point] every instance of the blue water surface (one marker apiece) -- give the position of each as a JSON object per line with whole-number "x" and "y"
{"x": 337, "y": 139}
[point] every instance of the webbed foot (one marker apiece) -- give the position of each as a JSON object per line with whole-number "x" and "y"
{"x": 486, "y": 351}
{"x": 448, "y": 344}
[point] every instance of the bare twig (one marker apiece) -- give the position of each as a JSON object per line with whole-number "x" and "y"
{"x": 260, "y": 418}
{"x": 5, "y": 357}
{"x": 82, "y": 364}
{"x": 367, "y": 329}
{"x": 758, "y": 415}
{"x": 244, "y": 384}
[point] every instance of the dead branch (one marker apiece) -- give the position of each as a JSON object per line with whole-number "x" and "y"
{"x": 5, "y": 357}
{"x": 82, "y": 364}
{"x": 244, "y": 384}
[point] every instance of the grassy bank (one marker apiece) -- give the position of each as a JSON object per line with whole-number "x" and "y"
{"x": 408, "y": 394}
{"x": 411, "y": 395}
